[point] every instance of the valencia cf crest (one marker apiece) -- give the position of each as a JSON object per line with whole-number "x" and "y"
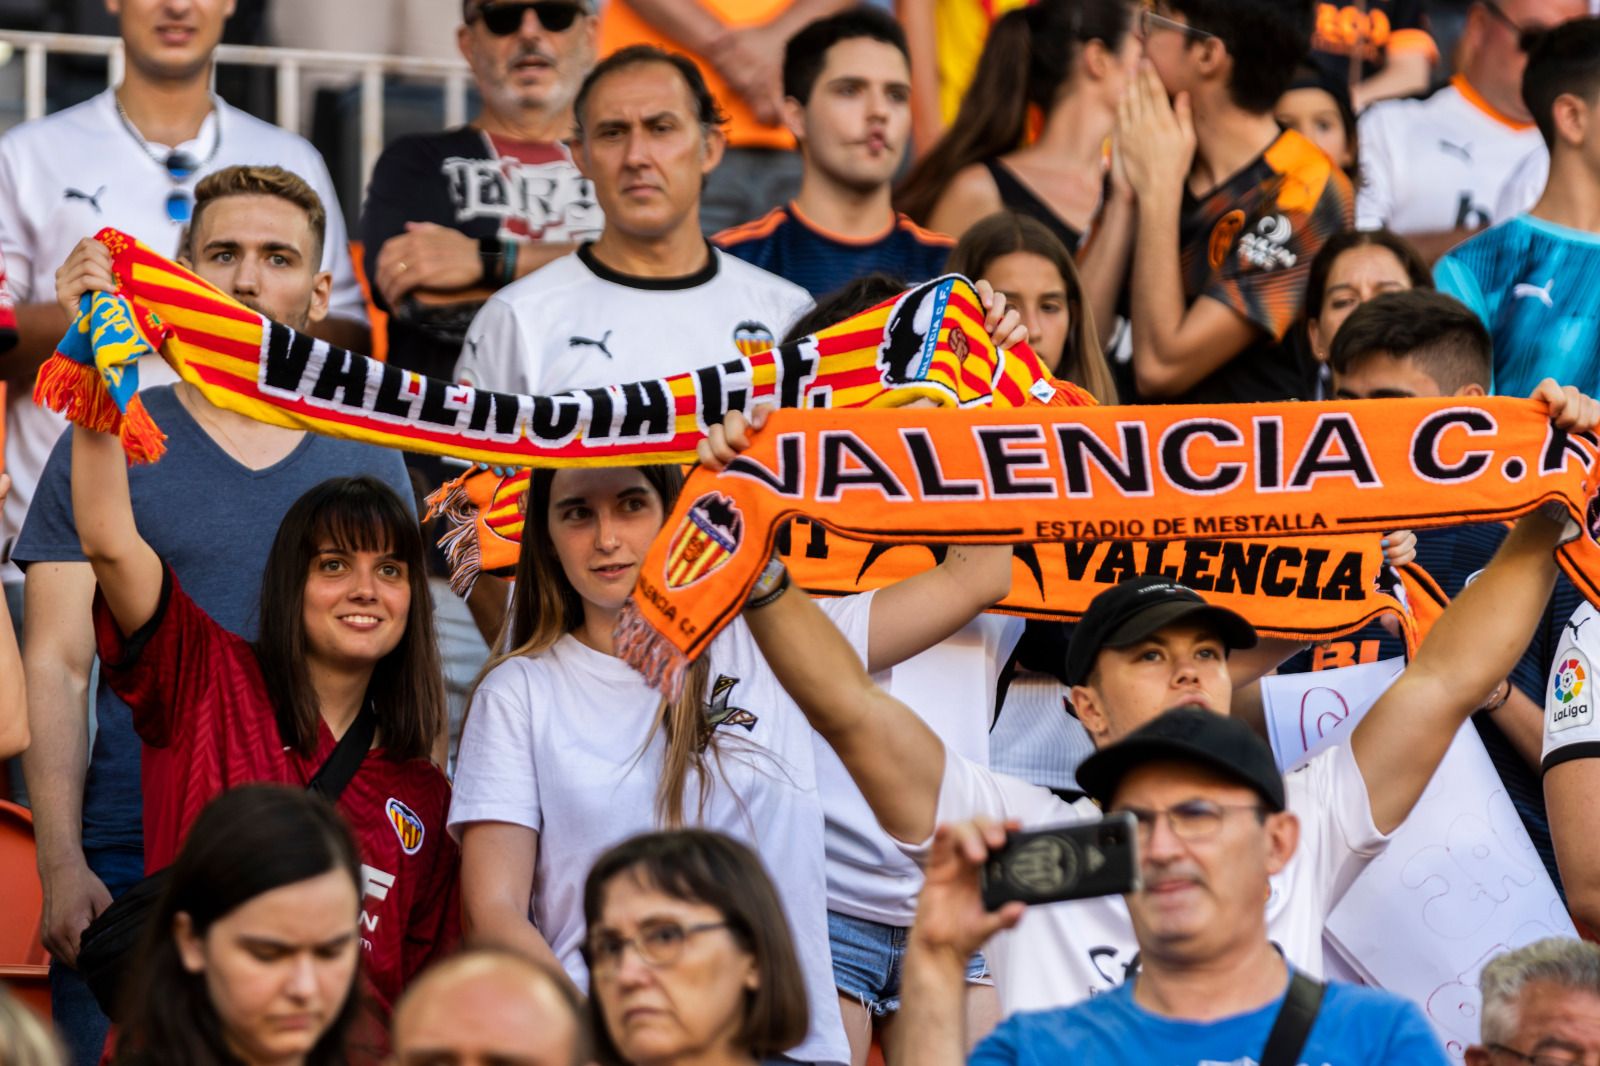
{"x": 912, "y": 335}
{"x": 407, "y": 826}
{"x": 752, "y": 337}
{"x": 707, "y": 538}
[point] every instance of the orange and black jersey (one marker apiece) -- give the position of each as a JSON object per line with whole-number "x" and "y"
{"x": 1248, "y": 244}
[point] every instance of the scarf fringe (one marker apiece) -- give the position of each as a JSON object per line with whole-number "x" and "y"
{"x": 451, "y": 504}
{"x": 142, "y": 439}
{"x": 76, "y": 391}
{"x": 642, "y": 647}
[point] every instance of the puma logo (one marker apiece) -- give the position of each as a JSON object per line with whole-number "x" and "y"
{"x": 1575, "y": 626}
{"x": 1522, "y": 290}
{"x": 1462, "y": 152}
{"x": 578, "y": 342}
{"x": 92, "y": 201}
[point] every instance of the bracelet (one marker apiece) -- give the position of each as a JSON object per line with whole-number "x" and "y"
{"x": 490, "y": 255}
{"x": 508, "y": 260}
{"x": 773, "y": 582}
{"x": 1503, "y": 691}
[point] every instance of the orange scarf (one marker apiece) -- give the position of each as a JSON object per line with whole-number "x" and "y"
{"x": 1074, "y": 482}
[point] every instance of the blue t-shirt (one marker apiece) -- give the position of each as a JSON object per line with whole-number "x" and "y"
{"x": 785, "y": 243}
{"x": 1536, "y": 285}
{"x": 1355, "y": 1027}
{"x": 213, "y": 520}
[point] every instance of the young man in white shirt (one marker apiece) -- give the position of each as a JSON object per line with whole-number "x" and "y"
{"x": 1434, "y": 169}
{"x": 650, "y": 297}
{"x": 1142, "y": 648}
{"x": 130, "y": 158}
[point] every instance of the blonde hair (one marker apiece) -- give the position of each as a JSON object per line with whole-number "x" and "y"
{"x": 262, "y": 181}
{"x": 25, "y": 1040}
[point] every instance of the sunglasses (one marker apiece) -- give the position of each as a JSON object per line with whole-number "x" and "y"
{"x": 503, "y": 20}
{"x": 180, "y": 202}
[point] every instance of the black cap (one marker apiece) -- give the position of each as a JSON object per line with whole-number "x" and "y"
{"x": 1127, "y": 613}
{"x": 1187, "y": 734}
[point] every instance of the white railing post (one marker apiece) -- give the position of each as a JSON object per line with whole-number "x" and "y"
{"x": 114, "y": 62}
{"x": 288, "y": 110}
{"x": 455, "y": 101}
{"x": 371, "y": 121}
{"x": 33, "y": 81}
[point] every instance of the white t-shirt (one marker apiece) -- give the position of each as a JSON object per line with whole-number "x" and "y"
{"x": 1525, "y": 185}
{"x": 951, "y": 686}
{"x": 557, "y": 743}
{"x": 1062, "y": 953}
{"x": 576, "y": 324}
{"x": 1037, "y": 737}
{"x": 68, "y": 175}
{"x": 1570, "y": 730}
{"x": 1439, "y": 163}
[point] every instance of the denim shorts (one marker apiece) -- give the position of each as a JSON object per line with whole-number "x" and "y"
{"x": 868, "y": 958}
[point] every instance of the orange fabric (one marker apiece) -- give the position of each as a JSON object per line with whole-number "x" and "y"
{"x": 1414, "y": 41}
{"x": 375, "y": 315}
{"x": 621, "y": 25}
{"x": 1472, "y": 96}
{"x": 1066, "y": 480}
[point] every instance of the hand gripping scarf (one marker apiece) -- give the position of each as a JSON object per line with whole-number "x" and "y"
{"x": 1067, "y": 481}
{"x": 927, "y": 343}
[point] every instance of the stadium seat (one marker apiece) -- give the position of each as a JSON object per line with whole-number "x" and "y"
{"x": 24, "y": 965}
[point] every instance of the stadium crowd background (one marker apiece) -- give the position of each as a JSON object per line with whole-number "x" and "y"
{"x": 533, "y": 858}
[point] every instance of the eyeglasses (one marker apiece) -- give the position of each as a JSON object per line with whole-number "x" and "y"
{"x": 1543, "y": 1058}
{"x": 659, "y": 944}
{"x": 1150, "y": 20}
{"x": 1191, "y": 821}
{"x": 503, "y": 20}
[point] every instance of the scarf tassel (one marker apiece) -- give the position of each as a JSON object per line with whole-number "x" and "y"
{"x": 452, "y": 505}
{"x": 641, "y": 646}
{"x": 75, "y": 391}
{"x": 141, "y": 438}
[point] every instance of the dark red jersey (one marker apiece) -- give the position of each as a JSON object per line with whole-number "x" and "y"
{"x": 201, "y": 707}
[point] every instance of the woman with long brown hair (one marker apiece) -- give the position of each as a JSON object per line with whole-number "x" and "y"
{"x": 567, "y": 750}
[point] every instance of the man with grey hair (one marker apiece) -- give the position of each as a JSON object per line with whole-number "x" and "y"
{"x": 1541, "y": 1006}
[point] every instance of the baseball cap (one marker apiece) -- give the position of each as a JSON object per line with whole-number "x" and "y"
{"x": 1127, "y": 613}
{"x": 1187, "y": 734}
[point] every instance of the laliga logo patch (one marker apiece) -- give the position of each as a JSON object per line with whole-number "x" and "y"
{"x": 407, "y": 826}
{"x": 707, "y": 538}
{"x": 752, "y": 337}
{"x": 912, "y": 335}
{"x": 1570, "y": 706}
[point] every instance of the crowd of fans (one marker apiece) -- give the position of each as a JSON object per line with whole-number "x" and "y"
{"x": 295, "y": 801}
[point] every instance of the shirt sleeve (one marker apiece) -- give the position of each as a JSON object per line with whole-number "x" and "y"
{"x": 1453, "y": 278}
{"x": 17, "y": 239}
{"x": 406, "y": 187}
{"x": 1375, "y": 198}
{"x": 968, "y": 791}
{"x": 1570, "y": 731}
{"x": 494, "y": 356}
{"x": 167, "y": 671}
{"x": 1412, "y": 1040}
{"x": 497, "y": 778}
{"x": 1345, "y": 839}
{"x": 1263, "y": 278}
{"x": 49, "y": 533}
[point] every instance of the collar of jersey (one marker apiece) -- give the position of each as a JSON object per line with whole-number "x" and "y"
{"x": 635, "y": 281}
{"x": 1471, "y": 96}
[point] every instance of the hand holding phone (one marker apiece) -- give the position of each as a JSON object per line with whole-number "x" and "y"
{"x": 1076, "y": 861}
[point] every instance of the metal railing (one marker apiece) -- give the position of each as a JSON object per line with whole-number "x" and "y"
{"x": 369, "y": 70}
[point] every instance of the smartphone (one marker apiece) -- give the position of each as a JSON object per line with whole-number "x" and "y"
{"x": 1076, "y": 861}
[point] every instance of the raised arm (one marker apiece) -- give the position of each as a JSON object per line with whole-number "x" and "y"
{"x": 1469, "y": 651}
{"x": 13, "y": 693}
{"x": 127, "y": 569}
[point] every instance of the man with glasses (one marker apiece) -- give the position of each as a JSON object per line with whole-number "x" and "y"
{"x": 1541, "y": 1006}
{"x": 1214, "y": 828}
{"x": 1435, "y": 169}
{"x": 130, "y": 158}
{"x": 452, "y": 217}
{"x": 1231, "y": 208}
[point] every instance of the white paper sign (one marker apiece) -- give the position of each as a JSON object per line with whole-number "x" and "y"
{"x": 1460, "y": 881}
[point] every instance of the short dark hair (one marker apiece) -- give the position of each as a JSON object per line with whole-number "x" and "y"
{"x": 1562, "y": 60}
{"x": 702, "y": 866}
{"x": 1415, "y": 266}
{"x": 707, "y": 111}
{"x": 851, "y": 298}
{"x": 807, "y": 51}
{"x": 1437, "y": 331}
{"x": 247, "y": 842}
{"x": 1267, "y": 40}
